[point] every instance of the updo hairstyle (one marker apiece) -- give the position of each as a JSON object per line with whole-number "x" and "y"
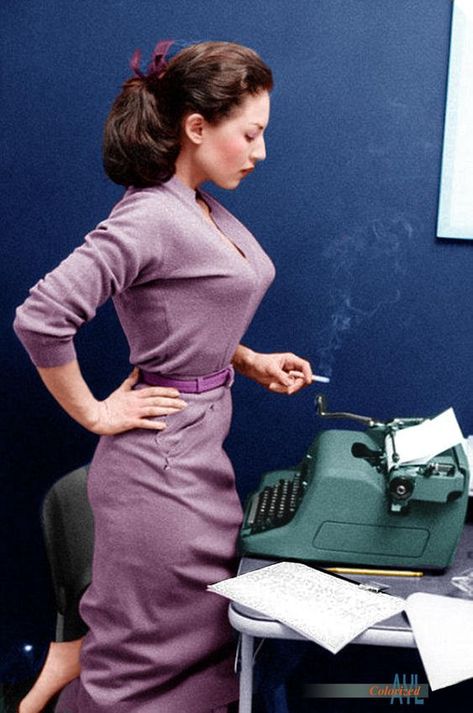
{"x": 142, "y": 132}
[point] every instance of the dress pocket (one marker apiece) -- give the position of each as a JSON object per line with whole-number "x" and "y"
{"x": 184, "y": 429}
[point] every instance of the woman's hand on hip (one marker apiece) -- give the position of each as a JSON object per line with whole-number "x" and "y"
{"x": 284, "y": 373}
{"x": 127, "y": 408}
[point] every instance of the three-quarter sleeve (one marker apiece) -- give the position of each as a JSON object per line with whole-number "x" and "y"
{"x": 118, "y": 253}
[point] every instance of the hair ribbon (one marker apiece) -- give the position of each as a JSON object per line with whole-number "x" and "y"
{"x": 158, "y": 60}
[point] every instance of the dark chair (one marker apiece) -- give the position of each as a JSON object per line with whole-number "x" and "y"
{"x": 68, "y": 529}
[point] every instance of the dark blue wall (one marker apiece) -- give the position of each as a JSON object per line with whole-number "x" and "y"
{"x": 346, "y": 205}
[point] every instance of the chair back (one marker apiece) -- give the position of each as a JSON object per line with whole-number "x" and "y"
{"x": 68, "y": 530}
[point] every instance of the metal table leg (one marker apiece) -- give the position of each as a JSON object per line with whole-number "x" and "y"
{"x": 246, "y": 674}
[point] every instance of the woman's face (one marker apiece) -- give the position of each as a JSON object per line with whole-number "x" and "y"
{"x": 229, "y": 151}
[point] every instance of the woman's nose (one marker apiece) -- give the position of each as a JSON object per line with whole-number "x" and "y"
{"x": 259, "y": 151}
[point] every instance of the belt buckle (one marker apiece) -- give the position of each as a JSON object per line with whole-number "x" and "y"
{"x": 230, "y": 377}
{"x": 200, "y": 384}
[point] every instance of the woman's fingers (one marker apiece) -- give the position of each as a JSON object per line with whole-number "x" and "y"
{"x": 307, "y": 371}
{"x": 297, "y": 382}
{"x": 127, "y": 408}
{"x": 278, "y": 388}
{"x": 156, "y": 411}
{"x": 131, "y": 379}
{"x": 165, "y": 401}
{"x": 158, "y": 391}
{"x": 159, "y": 406}
{"x": 150, "y": 425}
{"x": 296, "y": 366}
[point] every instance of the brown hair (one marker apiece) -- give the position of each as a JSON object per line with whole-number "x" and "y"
{"x": 142, "y": 132}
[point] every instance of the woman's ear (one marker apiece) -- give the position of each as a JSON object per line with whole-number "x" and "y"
{"x": 193, "y": 127}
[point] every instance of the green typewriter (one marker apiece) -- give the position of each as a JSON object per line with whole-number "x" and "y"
{"x": 351, "y": 502}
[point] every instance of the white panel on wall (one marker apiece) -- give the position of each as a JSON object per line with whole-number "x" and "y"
{"x": 455, "y": 218}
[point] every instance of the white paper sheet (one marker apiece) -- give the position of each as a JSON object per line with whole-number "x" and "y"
{"x": 326, "y": 609}
{"x": 443, "y": 630}
{"x": 455, "y": 216}
{"x": 418, "y": 444}
{"x": 469, "y": 454}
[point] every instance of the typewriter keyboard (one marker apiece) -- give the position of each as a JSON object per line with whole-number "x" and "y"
{"x": 276, "y": 504}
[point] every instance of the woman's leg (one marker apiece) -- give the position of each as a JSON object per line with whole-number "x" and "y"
{"x": 60, "y": 667}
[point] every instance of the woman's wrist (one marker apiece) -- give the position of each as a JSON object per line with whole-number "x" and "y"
{"x": 243, "y": 359}
{"x": 90, "y": 416}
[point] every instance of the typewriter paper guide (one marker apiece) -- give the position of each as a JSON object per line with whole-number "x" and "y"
{"x": 418, "y": 444}
{"x": 326, "y": 609}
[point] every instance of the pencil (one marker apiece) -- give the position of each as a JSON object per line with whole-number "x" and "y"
{"x": 375, "y": 572}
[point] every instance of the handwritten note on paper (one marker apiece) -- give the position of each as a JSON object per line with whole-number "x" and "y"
{"x": 418, "y": 444}
{"x": 329, "y": 610}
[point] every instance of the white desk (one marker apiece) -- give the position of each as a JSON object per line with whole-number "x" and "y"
{"x": 394, "y": 631}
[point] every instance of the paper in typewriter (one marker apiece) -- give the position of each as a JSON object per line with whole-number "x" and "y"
{"x": 420, "y": 443}
{"x": 326, "y": 609}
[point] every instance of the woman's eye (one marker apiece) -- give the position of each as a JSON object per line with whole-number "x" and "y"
{"x": 250, "y": 137}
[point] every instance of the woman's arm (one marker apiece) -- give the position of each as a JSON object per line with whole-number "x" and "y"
{"x": 273, "y": 370}
{"x": 123, "y": 410}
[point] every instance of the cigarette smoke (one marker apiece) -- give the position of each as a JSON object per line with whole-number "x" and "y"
{"x": 363, "y": 269}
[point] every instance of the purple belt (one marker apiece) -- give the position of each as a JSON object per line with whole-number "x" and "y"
{"x": 224, "y": 377}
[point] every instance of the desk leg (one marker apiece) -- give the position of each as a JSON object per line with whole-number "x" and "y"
{"x": 246, "y": 674}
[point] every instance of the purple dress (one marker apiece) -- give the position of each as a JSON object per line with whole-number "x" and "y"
{"x": 166, "y": 511}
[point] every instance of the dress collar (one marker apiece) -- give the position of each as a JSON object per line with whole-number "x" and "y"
{"x": 181, "y": 189}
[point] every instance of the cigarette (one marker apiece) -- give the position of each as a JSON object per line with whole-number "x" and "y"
{"x": 316, "y": 377}
{"x": 322, "y": 379}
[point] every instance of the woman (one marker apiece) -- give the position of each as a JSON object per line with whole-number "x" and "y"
{"x": 186, "y": 278}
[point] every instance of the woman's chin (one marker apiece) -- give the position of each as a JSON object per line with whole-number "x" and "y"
{"x": 229, "y": 184}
